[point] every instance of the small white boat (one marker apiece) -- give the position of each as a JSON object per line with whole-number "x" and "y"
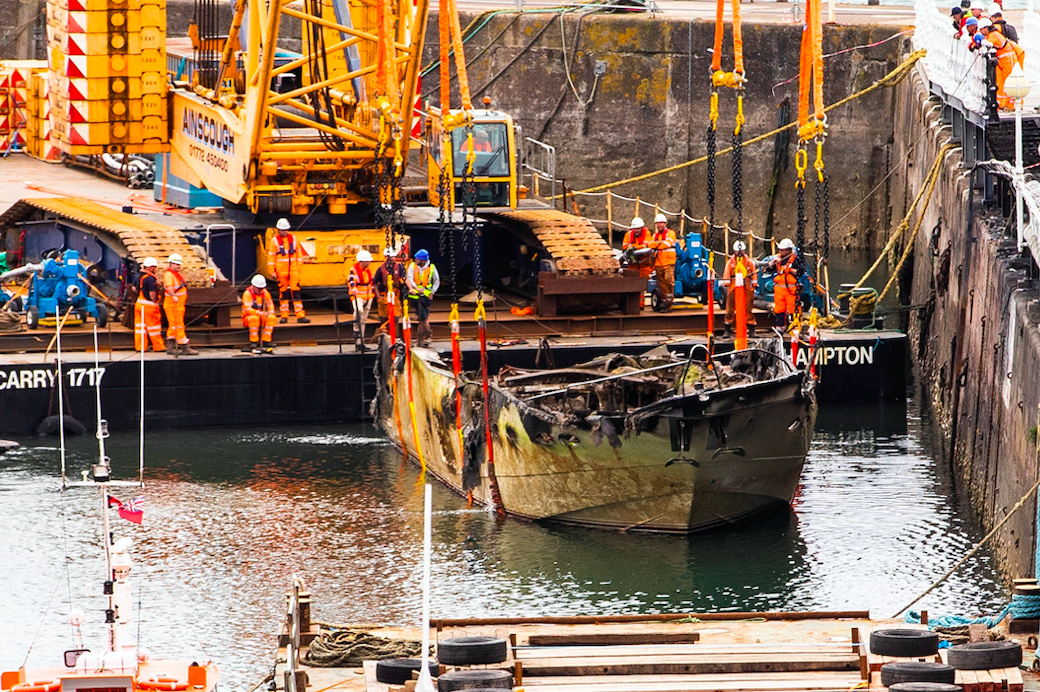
{"x": 119, "y": 665}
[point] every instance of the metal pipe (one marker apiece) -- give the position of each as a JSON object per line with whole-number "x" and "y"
{"x": 650, "y": 617}
{"x": 21, "y": 271}
{"x": 603, "y": 379}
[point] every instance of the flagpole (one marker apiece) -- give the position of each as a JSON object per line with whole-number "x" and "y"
{"x": 102, "y": 431}
{"x": 141, "y": 434}
{"x": 425, "y": 681}
{"x": 61, "y": 402}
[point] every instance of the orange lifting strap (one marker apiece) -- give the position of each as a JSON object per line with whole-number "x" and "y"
{"x": 734, "y": 79}
{"x": 451, "y": 39}
{"x": 810, "y": 75}
{"x": 386, "y": 67}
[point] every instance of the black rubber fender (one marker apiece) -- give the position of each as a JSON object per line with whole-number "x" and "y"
{"x": 467, "y": 651}
{"x": 985, "y": 655}
{"x": 398, "y": 671}
{"x": 924, "y": 687}
{"x": 493, "y": 679}
{"x": 905, "y": 643}
{"x": 916, "y": 671}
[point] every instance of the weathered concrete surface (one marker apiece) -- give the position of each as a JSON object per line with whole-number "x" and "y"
{"x": 650, "y": 110}
{"x": 975, "y": 338}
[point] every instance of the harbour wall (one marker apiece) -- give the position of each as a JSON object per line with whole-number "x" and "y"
{"x": 650, "y": 108}
{"x": 972, "y": 322}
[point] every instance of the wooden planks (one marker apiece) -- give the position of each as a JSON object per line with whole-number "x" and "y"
{"x": 716, "y": 664}
{"x": 615, "y": 638}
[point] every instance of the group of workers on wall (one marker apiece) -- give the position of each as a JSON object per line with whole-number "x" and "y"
{"x": 653, "y": 253}
{"x": 981, "y": 26}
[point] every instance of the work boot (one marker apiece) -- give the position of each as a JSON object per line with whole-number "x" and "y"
{"x": 257, "y": 350}
{"x": 284, "y": 320}
{"x": 268, "y": 348}
{"x": 303, "y": 320}
{"x": 171, "y": 347}
{"x": 187, "y": 350}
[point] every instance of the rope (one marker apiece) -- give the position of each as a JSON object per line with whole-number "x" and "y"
{"x": 978, "y": 546}
{"x": 336, "y": 647}
{"x": 891, "y": 79}
{"x": 1021, "y": 607}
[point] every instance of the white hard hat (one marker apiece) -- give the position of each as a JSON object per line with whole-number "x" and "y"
{"x": 175, "y": 259}
{"x": 995, "y": 9}
{"x": 283, "y": 224}
{"x": 786, "y": 244}
{"x": 637, "y": 223}
{"x": 259, "y": 281}
{"x": 660, "y": 218}
{"x": 985, "y": 24}
{"x": 739, "y": 246}
{"x": 391, "y": 251}
{"x": 977, "y": 5}
{"x": 150, "y": 262}
{"x": 364, "y": 256}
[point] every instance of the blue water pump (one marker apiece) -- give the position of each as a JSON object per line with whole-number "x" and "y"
{"x": 59, "y": 285}
{"x": 691, "y": 270}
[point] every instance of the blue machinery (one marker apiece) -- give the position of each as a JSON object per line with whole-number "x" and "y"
{"x": 58, "y": 285}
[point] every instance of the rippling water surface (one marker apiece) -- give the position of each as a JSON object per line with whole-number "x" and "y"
{"x": 232, "y": 515}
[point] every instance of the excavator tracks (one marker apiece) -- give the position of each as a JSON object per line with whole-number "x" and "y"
{"x": 572, "y": 242}
{"x": 138, "y": 236}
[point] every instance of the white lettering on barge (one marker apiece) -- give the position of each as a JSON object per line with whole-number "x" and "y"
{"x": 44, "y": 378}
{"x": 838, "y": 355}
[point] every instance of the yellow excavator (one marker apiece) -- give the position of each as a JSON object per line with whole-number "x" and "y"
{"x": 321, "y": 135}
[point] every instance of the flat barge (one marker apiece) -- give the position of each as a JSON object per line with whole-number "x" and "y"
{"x": 311, "y": 380}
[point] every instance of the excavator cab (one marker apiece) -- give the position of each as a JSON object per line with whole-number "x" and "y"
{"x": 494, "y": 159}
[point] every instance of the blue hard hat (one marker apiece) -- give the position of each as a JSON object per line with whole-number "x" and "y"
{"x": 422, "y": 255}
{"x": 971, "y": 21}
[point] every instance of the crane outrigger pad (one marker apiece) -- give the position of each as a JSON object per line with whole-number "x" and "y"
{"x": 140, "y": 237}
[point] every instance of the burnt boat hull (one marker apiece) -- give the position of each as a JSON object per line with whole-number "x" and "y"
{"x": 684, "y": 464}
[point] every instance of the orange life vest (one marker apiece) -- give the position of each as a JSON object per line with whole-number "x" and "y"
{"x": 360, "y": 282}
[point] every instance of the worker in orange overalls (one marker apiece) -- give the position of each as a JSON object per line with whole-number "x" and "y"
{"x": 147, "y": 313}
{"x": 1008, "y": 53}
{"x": 663, "y": 244}
{"x": 362, "y": 291}
{"x": 174, "y": 304}
{"x": 740, "y": 263}
{"x": 283, "y": 262}
{"x": 258, "y": 315}
{"x": 637, "y": 239}
{"x": 788, "y": 269}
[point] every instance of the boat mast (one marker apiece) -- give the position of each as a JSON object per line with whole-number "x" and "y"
{"x": 101, "y": 472}
{"x": 61, "y": 405}
{"x": 102, "y": 424}
{"x": 141, "y": 434}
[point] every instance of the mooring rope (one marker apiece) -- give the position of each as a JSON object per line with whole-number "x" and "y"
{"x": 338, "y": 647}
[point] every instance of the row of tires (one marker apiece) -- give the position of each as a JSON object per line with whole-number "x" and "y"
{"x": 921, "y": 676}
{"x": 459, "y": 651}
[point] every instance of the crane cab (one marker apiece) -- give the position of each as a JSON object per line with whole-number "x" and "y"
{"x": 494, "y": 164}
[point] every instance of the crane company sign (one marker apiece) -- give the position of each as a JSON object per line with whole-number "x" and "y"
{"x": 44, "y": 378}
{"x": 203, "y": 150}
{"x": 208, "y": 131}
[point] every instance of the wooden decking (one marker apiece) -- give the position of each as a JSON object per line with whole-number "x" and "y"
{"x": 742, "y": 654}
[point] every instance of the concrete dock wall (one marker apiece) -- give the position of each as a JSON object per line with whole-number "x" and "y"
{"x": 650, "y": 110}
{"x": 973, "y": 330}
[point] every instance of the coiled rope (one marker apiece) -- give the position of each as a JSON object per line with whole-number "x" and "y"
{"x": 1021, "y": 607}
{"x": 340, "y": 647}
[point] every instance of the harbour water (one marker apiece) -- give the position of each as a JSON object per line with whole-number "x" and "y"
{"x": 232, "y": 515}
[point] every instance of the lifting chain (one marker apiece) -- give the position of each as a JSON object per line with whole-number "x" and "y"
{"x": 826, "y": 219}
{"x": 816, "y": 230}
{"x": 801, "y": 159}
{"x": 738, "y": 160}
{"x": 469, "y": 212}
{"x": 713, "y": 122}
{"x": 820, "y": 183}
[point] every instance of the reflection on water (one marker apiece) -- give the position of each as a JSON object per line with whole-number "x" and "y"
{"x": 232, "y": 515}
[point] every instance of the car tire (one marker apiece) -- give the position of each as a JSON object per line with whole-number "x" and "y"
{"x": 905, "y": 643}
{"x": 915, "y": 671}
{"x": 924, "y": 687}
{"x": 985, "y": 655}
{"x": 475, "y": 679}
{"x": 398, "y": 671}
{"x": 467, "y": 651}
